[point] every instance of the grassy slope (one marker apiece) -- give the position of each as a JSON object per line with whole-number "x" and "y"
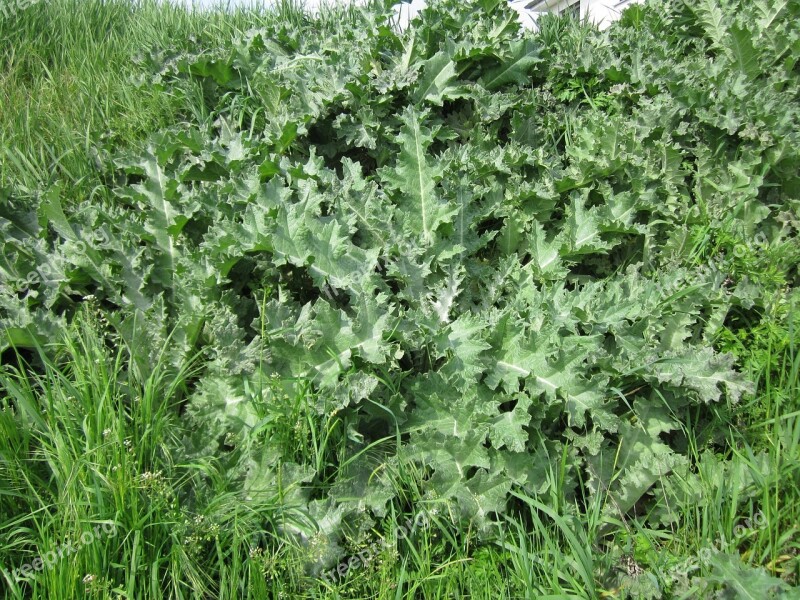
{"x": 77, "y": 452}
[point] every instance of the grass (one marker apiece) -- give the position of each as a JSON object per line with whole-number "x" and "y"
{"x": 86, "y": 441}
{"x": 90, "y": 444}
{"x": 67, "y": 73}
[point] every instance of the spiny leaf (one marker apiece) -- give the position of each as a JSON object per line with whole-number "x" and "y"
{"x": 523, "y": 57}
{"x": 415, "y": 177}
{"x": 436, "y": 84}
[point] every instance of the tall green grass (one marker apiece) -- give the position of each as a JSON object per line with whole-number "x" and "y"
{"x": 69, "y": 79}
{"x": 87, "y": 440}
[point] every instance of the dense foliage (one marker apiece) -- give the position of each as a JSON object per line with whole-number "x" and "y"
{"x": 489, "y": 254}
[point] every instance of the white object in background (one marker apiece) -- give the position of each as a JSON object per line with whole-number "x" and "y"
{"x": 605, "y": 12}
{"x": 527, "y": 17}
{"x": 600, "y": 12}
{"x": 313, "y": 6}
{"x": 405, "y": 12}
